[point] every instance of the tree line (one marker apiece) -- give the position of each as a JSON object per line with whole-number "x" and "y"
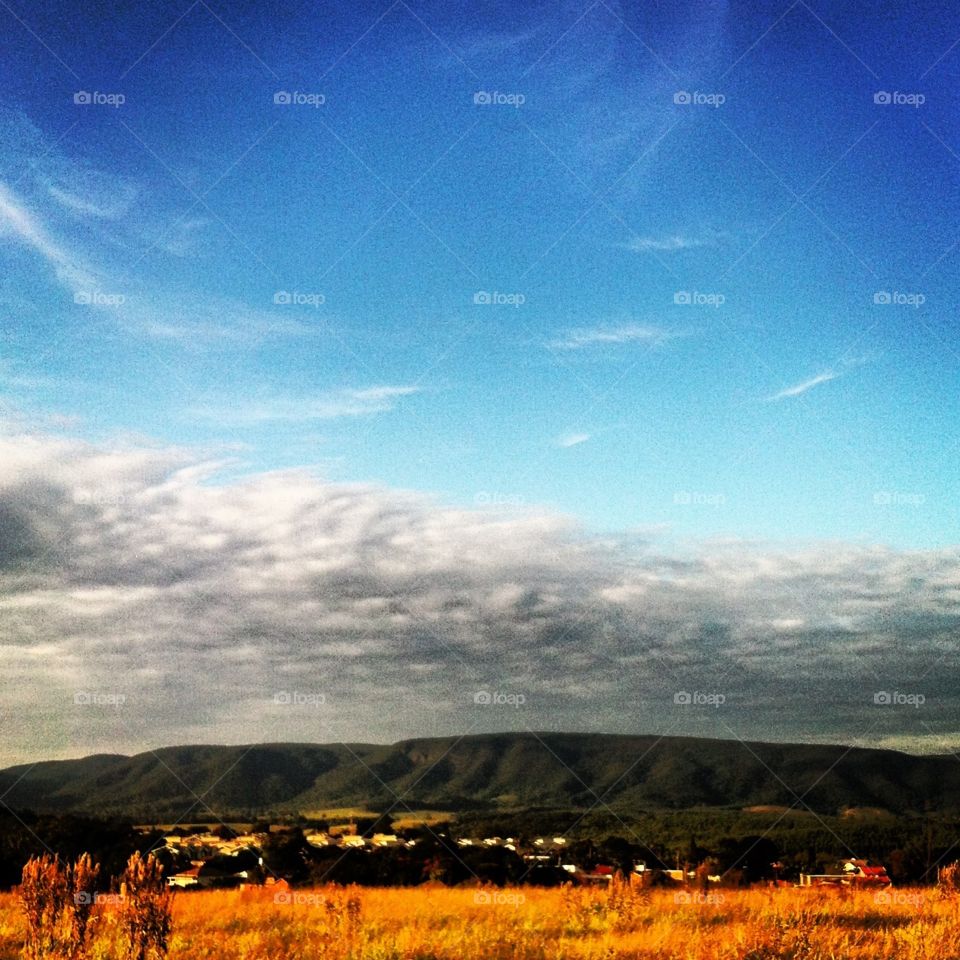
{"x": 742, "y": 847}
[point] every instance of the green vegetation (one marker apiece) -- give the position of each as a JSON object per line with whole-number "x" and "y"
{"x": 491, "y": 772}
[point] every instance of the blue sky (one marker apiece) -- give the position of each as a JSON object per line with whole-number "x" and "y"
{"x": 596, "y": 198}
{"x": 719, "y": 240}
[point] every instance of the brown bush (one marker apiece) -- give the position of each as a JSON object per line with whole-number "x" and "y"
{"x": 949, "y": 876}
{"x": 145, "y": 904}
{"x": 58, "y": 903}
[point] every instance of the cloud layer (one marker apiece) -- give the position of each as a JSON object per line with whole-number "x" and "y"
{"x": 129, "y": 571}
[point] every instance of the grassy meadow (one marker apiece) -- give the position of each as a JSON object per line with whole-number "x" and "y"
{"x": 438, "y": 923}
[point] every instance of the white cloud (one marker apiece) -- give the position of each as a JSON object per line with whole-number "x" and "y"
{"x": 626, "y": 333}
{"x": 671, "y": 243}
{"x": 205, "y": 319}
{"x": 60, "y": 190}
{"x": 799, "y": 388}
{"x": 196, "y": 318}
{"x": 133, "y": 569}
{"x": 99, "y": 197}
{"x": 184, "y": 237}
{"x": 17, "y": 220}
{"x": 572, "y": 439}
{"x": 328, "y": 406}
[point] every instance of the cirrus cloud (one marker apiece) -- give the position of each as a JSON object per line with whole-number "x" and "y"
{"x": 328, "y": 406}
{"x": 613, "y": 336}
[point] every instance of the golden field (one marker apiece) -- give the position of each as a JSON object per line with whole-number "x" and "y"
{"x": 438, "y": 923}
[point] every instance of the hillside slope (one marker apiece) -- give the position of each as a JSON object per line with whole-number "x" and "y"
{"x": 487, "y": 771}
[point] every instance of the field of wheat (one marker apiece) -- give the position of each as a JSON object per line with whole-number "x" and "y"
{"x": 427, "y": 923}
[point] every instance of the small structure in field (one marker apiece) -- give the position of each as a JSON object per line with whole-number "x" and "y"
{"x": 852, "y": 873}
{"x": 185, "y": 879}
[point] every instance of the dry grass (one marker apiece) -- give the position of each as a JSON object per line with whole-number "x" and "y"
{"x": 64, "y": 918}
{"x": 436, "y": 923}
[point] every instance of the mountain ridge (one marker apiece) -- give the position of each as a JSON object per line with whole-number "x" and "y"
{"x": 492, "y": 771}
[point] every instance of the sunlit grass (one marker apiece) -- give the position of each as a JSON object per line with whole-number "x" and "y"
{"x": 438, "y": 923}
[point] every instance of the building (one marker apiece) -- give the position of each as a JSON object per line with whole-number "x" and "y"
{"x": 852, "y": 873}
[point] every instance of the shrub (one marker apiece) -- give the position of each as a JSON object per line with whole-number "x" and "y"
{"x": 58, "y": 902}
{"x": 949, "y": 876}
{"x": 145, "y": 904}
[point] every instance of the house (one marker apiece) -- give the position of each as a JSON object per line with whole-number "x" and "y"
{"x": 186, "y": 878}
{"x": 385, "y": 840}
{"x": 222, "y": 870}
{"x": 873, "y": 875}
{"x": 550, "y": 842}
{"x": 852, "y": 873}
{"x": 214, "y": 874}
{"x": 601, "y": 875}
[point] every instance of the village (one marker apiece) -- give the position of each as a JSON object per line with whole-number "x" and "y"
{"x": 222, "y": 858}
{"x": 219, "y": 859}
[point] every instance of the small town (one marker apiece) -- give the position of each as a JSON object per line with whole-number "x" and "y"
{"x": 219, "y": 859}
{"x": 222, "y": 858}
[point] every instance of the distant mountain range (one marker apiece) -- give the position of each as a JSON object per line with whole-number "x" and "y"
{"x": 509, "y": 771}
